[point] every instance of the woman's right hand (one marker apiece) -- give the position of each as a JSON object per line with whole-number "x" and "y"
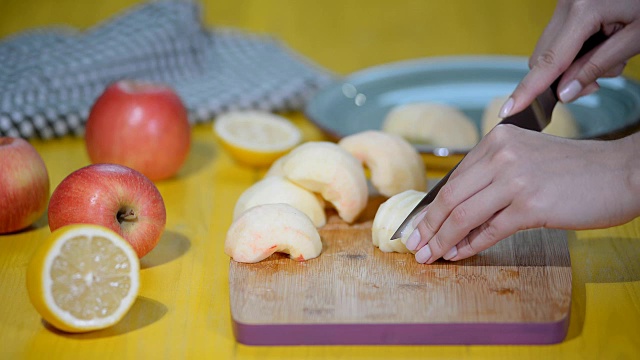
{"x": 573, "y": 22}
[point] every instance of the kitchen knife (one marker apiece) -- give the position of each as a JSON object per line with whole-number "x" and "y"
{"x": 534, "y": 117}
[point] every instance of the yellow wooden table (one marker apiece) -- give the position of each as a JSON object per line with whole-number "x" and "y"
{"x": 183, "y": 307}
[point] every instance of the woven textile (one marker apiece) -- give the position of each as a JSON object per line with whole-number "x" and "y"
{"x": 50, "y": 78}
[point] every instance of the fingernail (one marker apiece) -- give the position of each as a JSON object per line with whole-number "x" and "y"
{"x": 569, "y": 92}
{"x": 505, "y": 110}
{"x": 451, "y": 253}
{"x": 413, "y": 240}
{"x": 416, "y": 219}
{"x": 423, "y": 254}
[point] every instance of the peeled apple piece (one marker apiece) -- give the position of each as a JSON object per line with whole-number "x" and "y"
{"x": 326, "y": 168}
{"x": 432, "y": 124}
{"x": 276, "y": 168}
{"x": 389, "y": 216}
{"x": 394, "y": 163}
{"x": 266, "y": 229}
{"x": 276, "y": 189}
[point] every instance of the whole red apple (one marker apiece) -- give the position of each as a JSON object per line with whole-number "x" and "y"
{"x": 113, "y": 196}
{"x": 140, "y": 125}
{"x": 24, "y": 184}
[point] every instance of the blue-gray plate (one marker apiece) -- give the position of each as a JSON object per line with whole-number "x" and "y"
{"x": 361, "y": 100}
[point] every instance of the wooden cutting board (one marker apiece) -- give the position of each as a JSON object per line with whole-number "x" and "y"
{"x": 517, "y": 292}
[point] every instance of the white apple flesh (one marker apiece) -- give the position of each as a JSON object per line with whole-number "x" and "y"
{"x": 24, "y": 184}
{"x": 114, "y": 196}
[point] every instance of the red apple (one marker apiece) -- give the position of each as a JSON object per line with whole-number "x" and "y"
{"x": 140, "y": 125}
{"x": 113, "y": 196}
{"x": 24, "y": 184}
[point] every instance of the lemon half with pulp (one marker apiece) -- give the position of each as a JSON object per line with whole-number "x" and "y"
{"x": 256, "y": 138}
{"x": 83, "y": 277}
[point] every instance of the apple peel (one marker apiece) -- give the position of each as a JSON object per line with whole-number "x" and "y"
{"x": 141, "y": 125}
{"x": 24, "y": 185}
{"x": 114, "y": 196}
{"x": 266, "y": 229}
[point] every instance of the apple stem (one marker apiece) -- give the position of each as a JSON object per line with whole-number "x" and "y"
{"x": 127, "y": 215}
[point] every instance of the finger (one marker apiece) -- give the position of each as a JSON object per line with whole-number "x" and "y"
{"x": 549, "y": 65}
{"x": 589, "y": 89}
{"x": 605, "y": 58}
{"x": 418, "y": 238}
{"x": 467, "y": 216}
{"x": 414, "y": 240}
{"x": 615, "y": 71}
{"x": 457, "y": 189}
{"x": 472, "y": 175}
{"x": 550, "y": 32}
{"x": 497, "y": 228}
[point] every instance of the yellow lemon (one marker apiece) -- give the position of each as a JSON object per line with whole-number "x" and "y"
{"x": 83, "y": 277}
{"x": 256, "y": 138}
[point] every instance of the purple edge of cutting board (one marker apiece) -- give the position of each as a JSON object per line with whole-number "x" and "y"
{"x": 402, "y": 334}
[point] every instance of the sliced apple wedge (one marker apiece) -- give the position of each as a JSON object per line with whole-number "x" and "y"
{"x": 327, "y": 169}
{"x": 389, "y": 216}
{"x": 276, "y": 189}
{"x": 264, "y": 230}
{"x": 395, "y": 165}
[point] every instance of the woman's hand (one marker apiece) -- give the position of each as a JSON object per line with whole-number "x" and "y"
{"x": 573, "y": 22}
{"x": 517, "y": 179}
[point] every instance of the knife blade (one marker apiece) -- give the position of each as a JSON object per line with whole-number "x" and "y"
{"x": 534, "y": 117}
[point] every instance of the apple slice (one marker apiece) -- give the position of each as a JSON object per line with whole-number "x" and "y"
{"x": 389, "y": 216}
{"x": 431, "y": 123}
{"x": 266, "y": 229}
{"x": 276, "y": 189}
{"x": 327, "y": 169}
{"x": 395, "y": 165}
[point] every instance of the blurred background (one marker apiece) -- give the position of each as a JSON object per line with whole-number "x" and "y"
{"x": 340, "y": 35}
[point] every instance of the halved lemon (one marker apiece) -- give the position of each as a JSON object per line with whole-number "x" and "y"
{"x": 83, "y": 277}
{"x": 256, "y": 138}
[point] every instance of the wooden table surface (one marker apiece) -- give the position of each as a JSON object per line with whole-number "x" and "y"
{"x": 183, "y": 307}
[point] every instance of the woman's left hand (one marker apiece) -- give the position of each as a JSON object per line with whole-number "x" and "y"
{"x": 517, "y": 179}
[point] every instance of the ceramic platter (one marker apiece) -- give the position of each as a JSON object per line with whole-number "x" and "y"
{"x": 361, "y": 100}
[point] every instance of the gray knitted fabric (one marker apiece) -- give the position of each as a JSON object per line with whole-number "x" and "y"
{"x": 50, "y": 78}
